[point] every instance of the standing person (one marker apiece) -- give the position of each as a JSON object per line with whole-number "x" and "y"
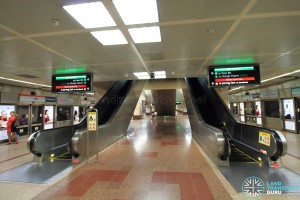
{"x": 11, "y": 129}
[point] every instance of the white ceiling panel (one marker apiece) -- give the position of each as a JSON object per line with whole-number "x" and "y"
{"x": 263, "y": 36}
{"x": 28, "y": 21}
{"x": 195, "y": 34}
{"x": 4, "y": 34}
{"x": 193, "y": 39}
{"x": 283, "y": 62}
{"x": 83, "y": 48}
{"x": 21, "y": 53}
{"x": 33, "y": 74}
{"x": 123, "y": 53}
{"x": 171, "y": 10}
{"x": 176, "y": 68}
{"x": 260, "y": 59}
{"x": 267, "y": 6}
{"x": 17, "y": 6}
{"x": 7, "y": 67}
{"x": 120, "y": 70}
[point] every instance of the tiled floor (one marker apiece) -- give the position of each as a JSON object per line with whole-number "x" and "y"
{"x": 158, "y": 161}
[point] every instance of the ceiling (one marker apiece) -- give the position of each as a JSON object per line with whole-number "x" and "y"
{"x": 195, "y": 34}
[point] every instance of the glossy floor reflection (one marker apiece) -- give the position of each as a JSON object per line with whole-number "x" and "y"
{"x": 158, "y": 161}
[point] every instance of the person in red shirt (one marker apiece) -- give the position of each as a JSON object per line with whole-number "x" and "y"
{"x": 11, "y": 128}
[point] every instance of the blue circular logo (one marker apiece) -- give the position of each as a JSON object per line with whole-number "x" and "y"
{"x": 253, "y": 187}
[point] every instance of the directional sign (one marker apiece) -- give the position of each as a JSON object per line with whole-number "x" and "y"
{"x": 234, "y": 75}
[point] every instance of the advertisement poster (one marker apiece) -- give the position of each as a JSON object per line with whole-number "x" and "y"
{"x": 5, "y": 114}
{"x": 257, "y": 109}
{"x": 242, "y": 109}
{"x": 288, "y": 109}
{"x": 76, "y": 115}
{"x": 48, "y": 117}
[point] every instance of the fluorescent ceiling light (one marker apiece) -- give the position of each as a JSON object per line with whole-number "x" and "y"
{"x": 159, "y": 73}
{"x": 137, "y": 11}
{"x": 141, "y": 73}
{"x": 145, "y": 35}
{"x": 26, "y": 82}
{"x": 91, "y": 15}
{"x": 143, "y": 77}
{"x": 282, "y": 75}
{"x": 110, "y": 37}
{"x": 160, "y": 76}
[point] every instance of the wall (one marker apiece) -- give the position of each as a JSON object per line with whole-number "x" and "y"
{"x": 275, "y": 92}
{"x": 138, "y": 114}
{"x": 165, "y": 102}
{"x": 10, "y": 94}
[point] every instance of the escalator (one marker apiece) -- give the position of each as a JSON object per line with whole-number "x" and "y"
{"x": 56, "y": 143}
{"x": 235, "y": 147}
{"x": 210, "y": 116}
{"x": 241, "y": 140}
{"x": 238, "y": 156}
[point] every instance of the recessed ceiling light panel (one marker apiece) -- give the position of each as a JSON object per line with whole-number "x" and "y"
{"x": 145, "y": 35}
{"x": 159, "y": 72}
{"x": 160, "y": 76}
{"x": 141, "y": 73}
{"x": 143, "y": 77}
{"x": 110, "y": 37}
{"x": 137, "y": 11}
{"x": 90, "y": 15}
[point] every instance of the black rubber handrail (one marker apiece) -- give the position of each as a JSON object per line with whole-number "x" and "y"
{"x": 107, "y": 106}
{"x": 235, "y": 131}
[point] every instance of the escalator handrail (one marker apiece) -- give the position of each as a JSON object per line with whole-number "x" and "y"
{"x": 221, "y": 107}
{"x": 33, "y": 137}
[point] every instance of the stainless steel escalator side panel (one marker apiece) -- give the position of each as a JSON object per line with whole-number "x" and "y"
{"x": 210, "y": 138}
{"x": 86, "y": 145}
{"x": 47, "y": 140}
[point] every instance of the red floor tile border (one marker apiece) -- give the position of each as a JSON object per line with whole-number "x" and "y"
{"x": 80, "y": 185}
{"x": 193, "y": 186}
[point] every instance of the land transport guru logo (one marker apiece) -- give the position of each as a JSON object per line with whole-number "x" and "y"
{"x": 253, "y": 187}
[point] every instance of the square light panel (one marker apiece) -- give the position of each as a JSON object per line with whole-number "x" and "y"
{"x": 137, "y": 11}
{"x": 146, "y": 34}
{"x": 160, "y": 76}
{"x": 140, "y": 74}
{"x": 110, "y": 37}
{"x": 143, "y": 77}
{"x": 159, "y": 72}
{"x": 90, "y": 15}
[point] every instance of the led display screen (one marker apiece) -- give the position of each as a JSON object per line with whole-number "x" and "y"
{"x": 70, "y": 83}
{"x": 234, "y": 75}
